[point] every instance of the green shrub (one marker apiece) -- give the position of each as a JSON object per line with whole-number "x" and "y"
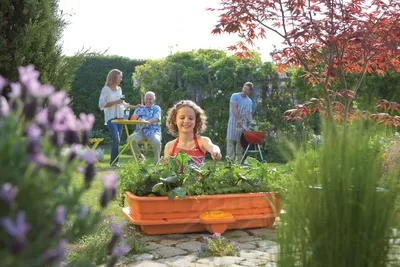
{"x": 29, "y": 34}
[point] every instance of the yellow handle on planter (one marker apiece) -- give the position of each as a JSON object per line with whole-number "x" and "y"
{"x": 216, "y": 215}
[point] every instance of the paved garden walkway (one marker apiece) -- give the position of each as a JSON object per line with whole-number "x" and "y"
{"x": 257, "y": 248}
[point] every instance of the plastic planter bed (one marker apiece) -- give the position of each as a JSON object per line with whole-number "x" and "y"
{"x": 216, "y": 213}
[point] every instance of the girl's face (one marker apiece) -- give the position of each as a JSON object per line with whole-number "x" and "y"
{"x": 186, "y": 120}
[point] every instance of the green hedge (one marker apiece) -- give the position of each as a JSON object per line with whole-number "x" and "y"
{"x": 90, "y": 79}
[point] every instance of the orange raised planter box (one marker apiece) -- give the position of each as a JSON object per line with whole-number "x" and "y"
{"x": 214, "y": 213}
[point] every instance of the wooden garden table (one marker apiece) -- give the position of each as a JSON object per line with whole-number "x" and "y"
{"x": 129, "y": 143}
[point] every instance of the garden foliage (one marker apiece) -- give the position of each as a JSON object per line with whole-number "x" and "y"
{"x": 340, "y": 207}
{"x": 40, "y": 206}
{"x": 218, "y": 246}
{"x": 178, "y": 179}
{"x": 29, "y": 34}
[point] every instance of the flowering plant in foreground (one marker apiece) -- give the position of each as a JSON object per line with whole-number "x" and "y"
{"x": 40, "y": 187}
{"x": 216, "y": 245}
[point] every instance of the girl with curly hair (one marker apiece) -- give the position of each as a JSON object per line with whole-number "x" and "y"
{"x": 186, "y": 120}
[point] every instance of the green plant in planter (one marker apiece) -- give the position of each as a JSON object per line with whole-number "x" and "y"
{"x": 176, "y": 178}
{"x": 342, "y": 211}
{"x": 40, "y": 206}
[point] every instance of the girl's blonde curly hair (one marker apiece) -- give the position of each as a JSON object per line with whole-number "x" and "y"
{"x": 201, "y": 118}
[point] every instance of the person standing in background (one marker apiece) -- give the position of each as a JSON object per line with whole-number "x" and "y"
{"x": 240, "y": 109}
{"x": 112, "y": 102}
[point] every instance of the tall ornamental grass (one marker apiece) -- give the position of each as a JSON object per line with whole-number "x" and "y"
{"x": 340, "y": 211}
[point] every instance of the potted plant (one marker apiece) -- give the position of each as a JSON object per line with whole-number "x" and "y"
{"x": 180, "y": 198}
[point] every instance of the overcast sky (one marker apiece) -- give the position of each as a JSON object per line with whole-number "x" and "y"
{"x": 145, "y": 29}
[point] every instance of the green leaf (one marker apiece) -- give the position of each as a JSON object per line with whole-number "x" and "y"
{"x": 171, "y": 195}
{"x": 252, "y": 162}
{"x": 195, "y": 169}
{"x": 158, "y": 187}
{"x": 241, "y": 177}
{"x": 180, "y": 192}
{"x": 182, "y": 158}
{"x": 190, "y": 180}
{"x": 154, "y": 177}
{"x": 171, "y": 179}
{"x": 246, "y": 185}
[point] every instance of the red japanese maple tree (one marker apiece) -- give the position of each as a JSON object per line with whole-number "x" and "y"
{"x": 330, "y": 39}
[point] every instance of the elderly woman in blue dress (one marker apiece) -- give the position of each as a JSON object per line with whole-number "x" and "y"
{"x": 151, "y": 132}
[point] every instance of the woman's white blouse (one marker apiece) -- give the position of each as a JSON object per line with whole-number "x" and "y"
{"x": 115, "y": 111}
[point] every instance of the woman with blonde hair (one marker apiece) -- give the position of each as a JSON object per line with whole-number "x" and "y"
{"x": 112, "y": 102}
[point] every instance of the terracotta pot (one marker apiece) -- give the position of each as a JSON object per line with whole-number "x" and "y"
{"x": 216, "y": 213}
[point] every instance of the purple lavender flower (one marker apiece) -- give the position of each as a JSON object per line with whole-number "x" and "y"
{"x": 116, "y": 236}
{"x": 39, "y": 159}
{"x": 90, "y": 170}
{"x": 15, "y": 90}
{"x": 64, "y": 119}
{"x": 75, "y": 149}
{"x": 217, "y": 235}
{"x": 86, "y": 121}
{"x": 110, "y": 180}
{"x": 59, "y": 220}
{"x": 8, "y": 193}
{"x": 85, "y": 124}
{"x": 59, "y": 99}
{"x": 29, "y": 77}
{"x": 3, "y": 83}
{"x": 83, "y": 212}
{"x": 237, "y": 248}
{"x": 117, "y": 229}
{"x": 64, "y": 126}
{"x": 110, "y": 188}
{"x": 60, "y": 215}
{"x": 4, "y": 107}
{"x": 28, "y": 73}
{"x": 16, "y": 230}
{"x": 33, "y": 132}
{"x": 57, "y": 254}
{"x": 121, "y": 250}
{"x": 89, "y": 157}
{"x": 42, "y": 118}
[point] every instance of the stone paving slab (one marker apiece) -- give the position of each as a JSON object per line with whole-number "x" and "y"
{"x": 193, "y": 246}
{"x": 179, "y": 261}
{"x": 258, "y": 248}
{"x": 147, "y": 264}
{"x": 226, "y": 260}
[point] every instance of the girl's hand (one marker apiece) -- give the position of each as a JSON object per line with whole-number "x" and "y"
{"x": 216, "y": 154}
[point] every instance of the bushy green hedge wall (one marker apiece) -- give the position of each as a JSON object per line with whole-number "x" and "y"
{"x": 90, "y": 79}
